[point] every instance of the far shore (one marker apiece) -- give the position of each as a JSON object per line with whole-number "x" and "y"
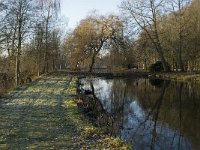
{"x": 175, "y": 76}
{"x": 123, "y": 73}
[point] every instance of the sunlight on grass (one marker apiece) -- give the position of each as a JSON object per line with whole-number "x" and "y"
{"x": 33, "y": 116}
{"x": 68, "y": 103}
{"x": 101, "y": 140}
{"x": 44, "y": 115}
{"x": 22, "y": 102}
{"x": 44, "y": 93}
{"x": 42, "y": 102}
{"x": 72, "y": 87}
{"x": 29, "y": 102}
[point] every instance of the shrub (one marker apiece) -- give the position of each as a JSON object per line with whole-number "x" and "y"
{"x": 158, "y": 67}
{"x": 129, "y": 66}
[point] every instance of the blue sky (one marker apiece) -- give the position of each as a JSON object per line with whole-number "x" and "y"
{"x": 75, "y": 10}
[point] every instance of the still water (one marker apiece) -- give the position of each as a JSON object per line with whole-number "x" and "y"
{"x": 149, "y": 114}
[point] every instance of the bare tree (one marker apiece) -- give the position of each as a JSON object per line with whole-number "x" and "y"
{"x": 39, "y": 43}
{"x": 28, "y": 36}
{"x": 49, "y": 11}
{"x": 91, "y": 36}
{"x": 16, "y": 19}
{"x": 147, "y": 15}
{"x": 180, "y": 21}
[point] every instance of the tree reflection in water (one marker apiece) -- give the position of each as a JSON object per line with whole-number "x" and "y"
{"x": 153, "y": 114}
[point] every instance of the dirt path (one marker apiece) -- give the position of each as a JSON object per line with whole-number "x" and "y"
{"x": 43, "y": 115}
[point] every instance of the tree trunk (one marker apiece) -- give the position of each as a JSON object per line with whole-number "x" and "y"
{"x": 17, "y": 74}
{"x": 46, "y": 47}
{"x": 162, "y": 58}
{"x": 96, "y": 51}
{"x": 164, "y": 63}
{"x": 159, "y": 48}
{"x": 181, "y": 25}
{"x": 92, "y": 62}
{"x": 17, "y": 71}
{"x": 53, "y": 64}
{"x": 38, "y": 63}
{"x": 46, "y": 66}
{"x": 179, "y": 61}
{"x": 39, "y": 46}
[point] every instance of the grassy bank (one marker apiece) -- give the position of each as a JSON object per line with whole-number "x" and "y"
{"x": 178, "y": 76}
{"x": 44, "y": 115}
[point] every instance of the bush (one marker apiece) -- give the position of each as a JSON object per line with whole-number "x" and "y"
{"x": 158, "y": 67}
{"x": 130, "y": 66}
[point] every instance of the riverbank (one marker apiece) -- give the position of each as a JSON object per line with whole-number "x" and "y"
{"x": 107, "y": 74}
{"x": 130, "y": 73}
{"x": 136, "y": 108}
{"x": 177, "y": 76}
{"x": 44, "y": 115}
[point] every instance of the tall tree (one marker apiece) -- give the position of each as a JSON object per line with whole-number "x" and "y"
{"x": 92, "y": 34}
{"x": 17, "y": 15}
{"x": 49, "y": 11}
{"x": 147, "y": 15}
{"x": 179, "y": 9}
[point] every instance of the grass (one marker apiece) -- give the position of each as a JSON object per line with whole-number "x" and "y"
{"x": 44, "y": 115}
{"x": 179, "y": 76}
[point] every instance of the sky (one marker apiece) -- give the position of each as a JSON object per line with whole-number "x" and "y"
{"x": 75, "y": 10}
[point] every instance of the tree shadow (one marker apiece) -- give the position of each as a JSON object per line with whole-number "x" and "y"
{"x": 35, "y": 120}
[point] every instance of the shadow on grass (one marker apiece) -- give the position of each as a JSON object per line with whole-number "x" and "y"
{"x": 38, "y": 116}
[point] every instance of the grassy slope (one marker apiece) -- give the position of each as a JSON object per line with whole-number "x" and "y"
{"x": 179, "y": 76}
{"x": 43, "y": 115}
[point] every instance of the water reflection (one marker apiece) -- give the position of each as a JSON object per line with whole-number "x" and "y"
{"x": 149, "y": 114}
{"x": 158, "y": 82}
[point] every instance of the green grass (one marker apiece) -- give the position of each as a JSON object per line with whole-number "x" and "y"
{"x": 43, "y": 115}
{"x": 179, "y": 76}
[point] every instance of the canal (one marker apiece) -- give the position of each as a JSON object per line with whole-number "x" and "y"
{"x": 148, "y": 114}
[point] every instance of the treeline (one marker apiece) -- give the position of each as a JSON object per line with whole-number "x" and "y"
{"x": 148, "y": 31}
{"x": 169, "y": 32}
{"x": 92, "y": 40}
{"x": 29, "y": 37}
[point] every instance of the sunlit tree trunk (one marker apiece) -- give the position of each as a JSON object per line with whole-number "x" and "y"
{"x": 20, "y": 21}
{"x": 92, "y": 63}
{"x": 46, "y": 69}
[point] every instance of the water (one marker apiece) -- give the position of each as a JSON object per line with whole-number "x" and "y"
{"x": 149, "y": 114}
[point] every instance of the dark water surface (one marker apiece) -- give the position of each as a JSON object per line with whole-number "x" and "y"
{"x": 149, "y": 114}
